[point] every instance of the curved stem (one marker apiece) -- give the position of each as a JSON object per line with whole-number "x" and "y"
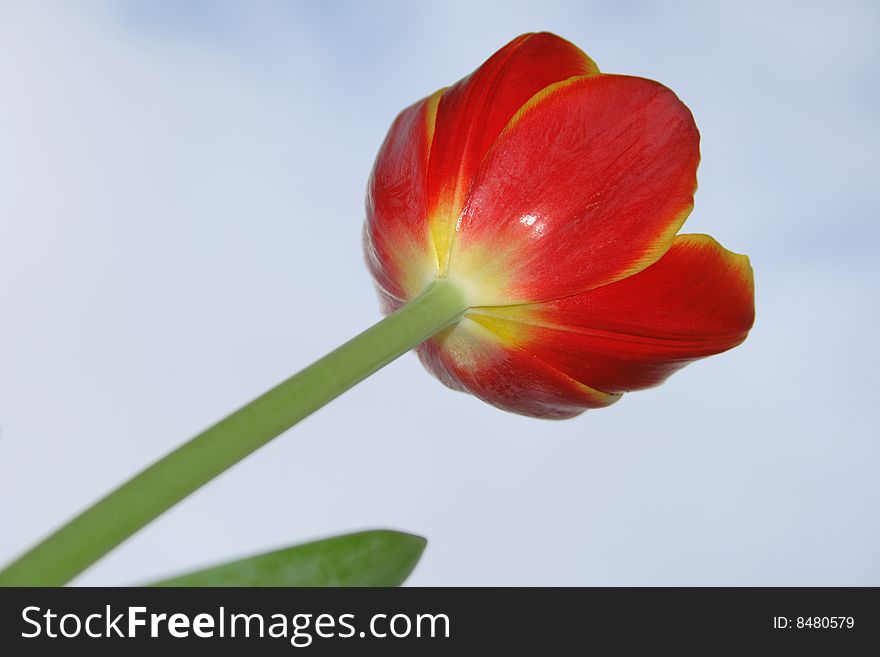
{"x": 103, "y": 526}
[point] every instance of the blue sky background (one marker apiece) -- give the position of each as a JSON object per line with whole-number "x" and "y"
{"x": 181, "y": 198}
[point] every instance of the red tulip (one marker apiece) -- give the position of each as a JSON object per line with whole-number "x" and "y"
{"x": 552, "y": 194}
{"x": 523, "y": 225}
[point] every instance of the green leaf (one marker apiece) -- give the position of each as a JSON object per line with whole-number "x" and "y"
{"x": 372, "y": 558}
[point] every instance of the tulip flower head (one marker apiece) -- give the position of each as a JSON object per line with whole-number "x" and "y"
{"x": 552, "y": 195}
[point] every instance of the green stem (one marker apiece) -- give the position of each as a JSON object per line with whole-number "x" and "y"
{"x": 100, "y": 528}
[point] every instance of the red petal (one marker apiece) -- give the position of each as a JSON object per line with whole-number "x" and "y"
{"x": 474, "y": 111}
{"x": 588, "y": 184}
{"x": 471, "y": 359}
{"x": 697, "y": 300}
{"x": 396, "y": 235}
